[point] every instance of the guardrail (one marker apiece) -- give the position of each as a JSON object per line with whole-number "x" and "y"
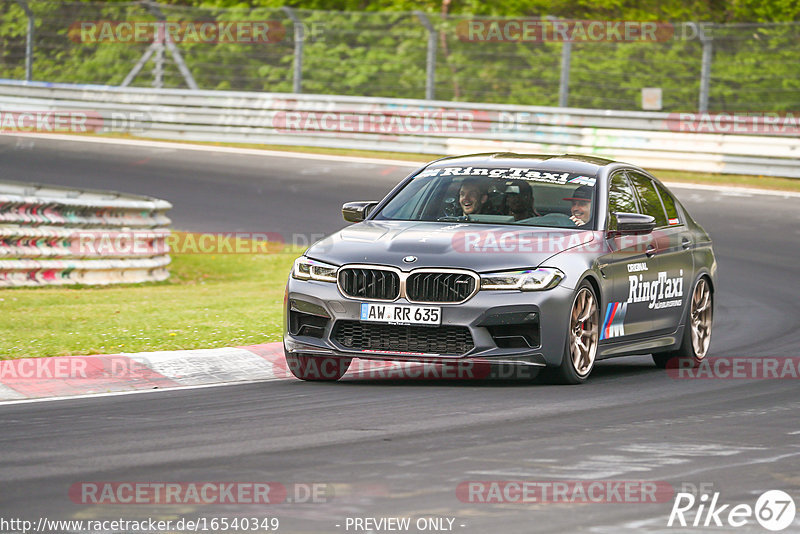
{"x": 53, "y": 236}
{"x": 714, "y": 143}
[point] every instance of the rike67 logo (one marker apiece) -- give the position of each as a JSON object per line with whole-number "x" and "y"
{"x": 774, "y": 510}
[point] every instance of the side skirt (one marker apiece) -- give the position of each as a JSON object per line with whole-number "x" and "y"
{"x": 641, "y": 346}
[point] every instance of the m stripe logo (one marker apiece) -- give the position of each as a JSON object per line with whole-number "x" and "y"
{"x": 614, "y": 322}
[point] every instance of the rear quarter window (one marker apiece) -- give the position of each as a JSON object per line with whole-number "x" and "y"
{"x": 668, "y": 200}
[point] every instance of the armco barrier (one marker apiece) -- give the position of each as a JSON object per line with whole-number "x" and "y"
{"x": 52, "y": 235}
{"x": 650, "y": 139}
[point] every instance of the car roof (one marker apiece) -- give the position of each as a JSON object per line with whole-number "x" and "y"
{"x": 587, "y": 165}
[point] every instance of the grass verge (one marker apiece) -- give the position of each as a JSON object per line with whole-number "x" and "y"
{"x": 210, "y": 301}
{"x": 734, "y": 180}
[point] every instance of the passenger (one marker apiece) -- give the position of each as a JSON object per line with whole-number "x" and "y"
{"x": 519, "y": 200}
{"x": 581, "y": 208}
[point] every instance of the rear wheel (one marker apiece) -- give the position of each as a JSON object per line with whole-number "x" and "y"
{"x": 317, "y": 368}
{"x": 582, "y": 337}
{"x": 696, "y": 328}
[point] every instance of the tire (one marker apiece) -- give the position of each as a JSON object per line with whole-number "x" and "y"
{"x": 696, "y": 327}
{"x": 583, "y": 332}
{"x": 317, "y": 368}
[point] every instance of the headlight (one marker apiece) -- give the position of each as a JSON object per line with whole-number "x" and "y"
{"x": 531, "y": 280}
{"x": 308, "y": 269}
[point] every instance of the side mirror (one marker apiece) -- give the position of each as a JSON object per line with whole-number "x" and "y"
{"x": 631, "y": 223}
{"x": 357, "y": 211}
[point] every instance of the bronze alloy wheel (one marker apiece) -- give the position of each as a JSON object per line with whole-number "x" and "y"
{"x": 697, "y": 328}
{"x": 700, "y": 318}
{"x": 583, "y": 332}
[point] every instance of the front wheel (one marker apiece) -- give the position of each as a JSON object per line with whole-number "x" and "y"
{"x": 582, "y": 337}
{"x": 696, "y": 328}
{"x": 317, "y": 368}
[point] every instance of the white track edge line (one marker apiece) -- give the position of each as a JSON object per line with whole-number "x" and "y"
{"x": 136, "y": 391}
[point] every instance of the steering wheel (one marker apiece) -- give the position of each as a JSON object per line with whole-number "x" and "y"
{"x": 560, "y": 220}
{"x": 450, "y": 207}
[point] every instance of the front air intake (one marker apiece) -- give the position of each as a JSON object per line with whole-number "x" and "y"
{"x": 445, "y": 340}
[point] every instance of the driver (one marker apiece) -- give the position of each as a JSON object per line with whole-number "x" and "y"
{"x": 581, "y": 208}
{"x": 472, "y": 196}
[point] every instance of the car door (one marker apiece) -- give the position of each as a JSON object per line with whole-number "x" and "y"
{"x": 667, "y": 287}
{"x": 628, "y": 256}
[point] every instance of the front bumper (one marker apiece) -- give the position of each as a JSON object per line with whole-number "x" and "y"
{"x": 484, "y": 315}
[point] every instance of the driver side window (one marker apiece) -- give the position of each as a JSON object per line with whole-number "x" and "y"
{"x": 620, "y": 198}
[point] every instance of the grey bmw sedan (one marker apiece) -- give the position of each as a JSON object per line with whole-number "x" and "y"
{"x": 547, "y": 262}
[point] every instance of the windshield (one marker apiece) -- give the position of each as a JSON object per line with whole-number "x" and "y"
{"x": 519, "y": 196}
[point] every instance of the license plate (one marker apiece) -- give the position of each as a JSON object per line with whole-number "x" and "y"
{"x": 400, "y": 314}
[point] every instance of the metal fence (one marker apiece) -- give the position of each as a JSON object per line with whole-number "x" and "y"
{"x": 722, "y": 144}
{"x": 739, "y": 67}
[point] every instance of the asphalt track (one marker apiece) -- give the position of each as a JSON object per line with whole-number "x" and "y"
{"x": 392, "y": 448}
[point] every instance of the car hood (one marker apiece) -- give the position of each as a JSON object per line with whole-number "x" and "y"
{"x": 479, "y": 247}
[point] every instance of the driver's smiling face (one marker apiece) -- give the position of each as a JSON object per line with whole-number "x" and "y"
{"x": 470, "y": 198}
{"x": 581, "y": 209}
